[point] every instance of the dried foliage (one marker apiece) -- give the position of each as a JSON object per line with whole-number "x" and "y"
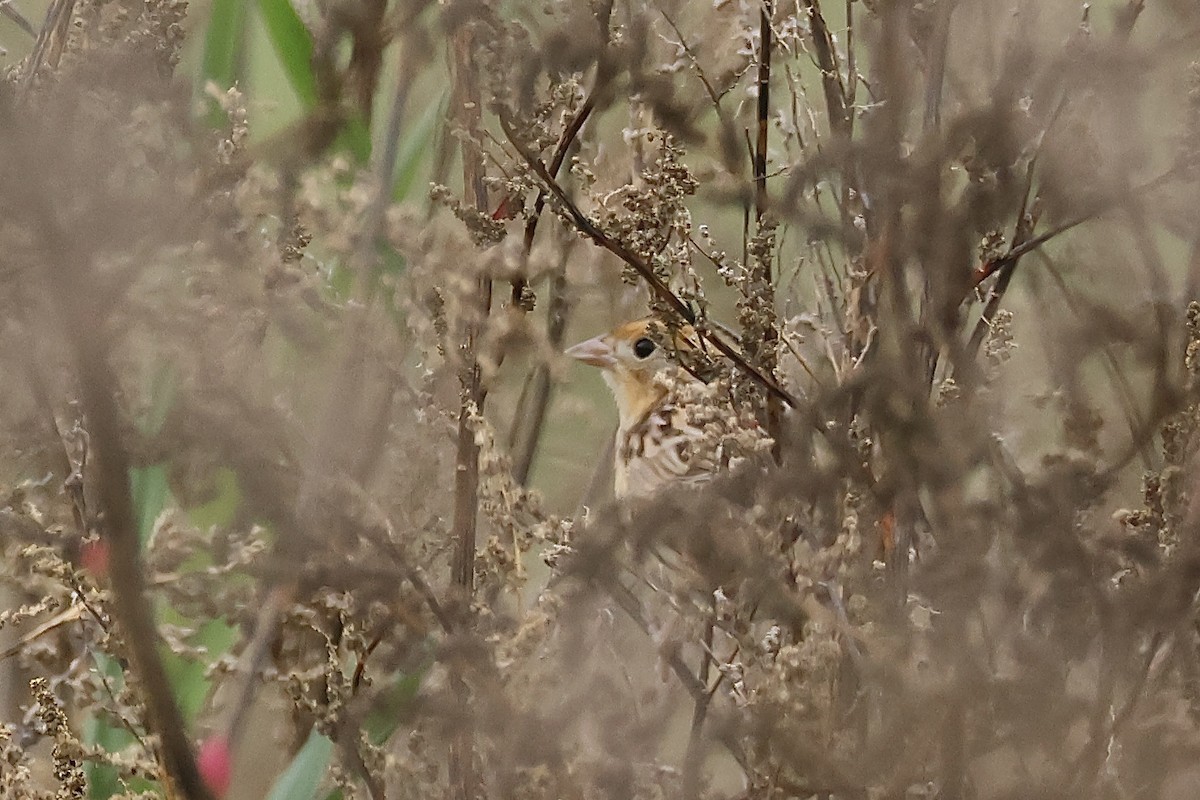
{"x": 291, "y": 459}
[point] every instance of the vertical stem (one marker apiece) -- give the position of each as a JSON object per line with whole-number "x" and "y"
{"x": 472, "y": 394}
{"x": 463, "y": 781}
{"x": 693, "y": 760}
{"x": 840, "y": 121}
{"x": 766, "y": 255}
{"x": 527, "y": 427}
{"x": 764, "y": 111}
{"x": 936, "y": 57}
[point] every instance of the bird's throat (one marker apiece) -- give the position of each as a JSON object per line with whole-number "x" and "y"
{"x": 635, "y": 395}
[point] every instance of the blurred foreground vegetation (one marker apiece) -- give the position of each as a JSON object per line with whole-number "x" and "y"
{"x": 296, "y": 480}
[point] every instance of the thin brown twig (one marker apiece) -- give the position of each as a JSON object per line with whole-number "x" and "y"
{"x": 660, "y": 289}
{"x": 1092, "y": 754}
{"x": 51, "y": 39}
{"x": 467, "y": 459}
{"x": 1112, "y": 365}
{"x": 344, "y": 392}
{"x": 9, "y": 9}
{"x": 530, "y": 415}
{"x": 569, "y": 136}
{"x": 1127, "y": 17}
{"x": 1006, "y": 265}
{"x": 266, "y": 630}
{"x": 711, "y": 90}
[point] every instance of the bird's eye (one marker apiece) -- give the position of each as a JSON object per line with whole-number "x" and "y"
{"x": 643, "y": 347}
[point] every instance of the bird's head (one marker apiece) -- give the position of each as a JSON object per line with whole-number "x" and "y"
{"x": 630, "y": 355}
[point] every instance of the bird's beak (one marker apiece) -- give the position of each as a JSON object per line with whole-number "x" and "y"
{"x": 596, "y": 351}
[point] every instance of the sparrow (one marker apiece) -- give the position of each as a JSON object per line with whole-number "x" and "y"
{"x": 673, "y": 429}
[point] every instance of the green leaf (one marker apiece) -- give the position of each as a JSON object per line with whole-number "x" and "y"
{"x": 355, "y": 138}
{"x": 189, "y": 683}
{"x": 223, "y": 42}
{"x": 294, "y": 46}
{"x": 163, "y": 385}
{"x": 222, "y": 509}
{"x": 150, "y": 493}
{"x": 103, "y": 780}
{"x": 393, "y": 706}
{"x": 101, "y": 730}
{"x": 303, "y": 776}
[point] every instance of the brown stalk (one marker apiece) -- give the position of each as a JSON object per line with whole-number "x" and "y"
{"x": 1127, "y": 17}
{"x": 467, "y": 473}
{"x": 711, "y": 90}
{"x": 695, "y": 688}
{"x": 530, "y": 416}
{"x": 761, "y": 201}
{"x": 48, "y": 48}
{"x": 764, "y": 111}
{"x": 345, "y": 393}
{"x": 18, "y": 19}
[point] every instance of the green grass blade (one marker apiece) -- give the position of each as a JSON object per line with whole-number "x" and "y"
{"x": 150, "y": 494}
{"x": 303, "y": 776}
{"x": 355, "y": 139}
{"x": 293, "y": 45}
{"x": 223, "y": 43}
{"x": 414, "y": 152}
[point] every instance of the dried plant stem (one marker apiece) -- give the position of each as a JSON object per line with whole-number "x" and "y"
{"x": 384, "y": 171}
{"x": 530, "y": 414}
{"x": 472, "y": 393}
{"x": 13, "y": 13}
{"x": 604, "y": 70}
{"x": 764, "y": 110}
{"x": 530, "y": 418}
{"x": 693, "y": 760}
{"x": 47, "y": 49}
{"x": 463, "y": 780}
{"x": 1005, "y": 265}
{"x": 345, "y": 393}
{"x": 762, "y": 268}
{"x": 266, "y": 629}
{"x": 840, "y": 122}
{"x": 1127, "y": 17}
{"x": 936, "y": 77}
